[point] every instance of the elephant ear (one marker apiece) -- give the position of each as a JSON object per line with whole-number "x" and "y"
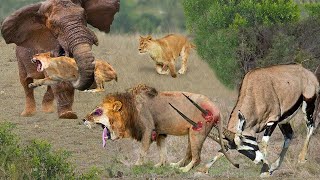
{"x": 100, "y": 13}
{"x": 26, "y": 28}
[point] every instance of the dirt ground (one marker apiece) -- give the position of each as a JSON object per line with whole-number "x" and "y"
{"x": 118, "y": 158}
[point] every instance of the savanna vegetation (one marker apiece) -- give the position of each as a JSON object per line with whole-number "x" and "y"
{"x": 236, "y": 36}
{"x": 232, "y": 36}
{"x": 35, "y": 160}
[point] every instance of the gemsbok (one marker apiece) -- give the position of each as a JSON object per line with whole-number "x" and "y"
{"x": 269, "y": 97}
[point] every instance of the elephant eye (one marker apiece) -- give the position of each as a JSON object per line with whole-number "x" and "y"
{"x": 98, "y": 112}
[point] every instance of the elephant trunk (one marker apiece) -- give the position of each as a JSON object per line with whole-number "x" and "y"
{"x": 79, "y": 41}
{"x": 85, "y": 61}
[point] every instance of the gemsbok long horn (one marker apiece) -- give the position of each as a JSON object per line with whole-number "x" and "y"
{"x": 195, "y": 104}
{"x": 228, "y": 134}
{"x": 195, "y": 126}
{"x": 184, "y": 116}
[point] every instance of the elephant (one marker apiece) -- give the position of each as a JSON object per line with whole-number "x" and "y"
{"x": 57, "y": 26}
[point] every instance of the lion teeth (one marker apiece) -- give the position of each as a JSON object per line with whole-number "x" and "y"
{"x": 104, "y": 136}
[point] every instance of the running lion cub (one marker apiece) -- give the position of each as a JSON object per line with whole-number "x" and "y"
{"x": 165, "y": 51}
{"x": 64, "y": 68}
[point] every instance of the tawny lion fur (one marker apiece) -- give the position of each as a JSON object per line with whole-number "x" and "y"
{"x": 165, "y": 51}
{"x": 142, "y": 110}
{"x": 64, "y": 68}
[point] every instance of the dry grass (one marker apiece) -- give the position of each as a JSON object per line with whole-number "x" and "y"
{"x": 118, "y": 157}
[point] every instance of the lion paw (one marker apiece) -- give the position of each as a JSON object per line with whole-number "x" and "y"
{"x": 301, "y": 158}
{"x": 184, "y": 169}
{"x": 182, "y": 71}
{"x": 163, "y": 72}
{"x": 302, "y": 161}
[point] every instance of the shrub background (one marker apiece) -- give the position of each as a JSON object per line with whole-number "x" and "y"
{"x": 36, "y": 160}
{"x": 236, "y": 36}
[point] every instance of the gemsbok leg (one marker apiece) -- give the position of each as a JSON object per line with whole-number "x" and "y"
{"x": 266, "y": 136}
{"x": 207, "y": 166}
{"x": 308, "y": 109}
{"x": 287, "y": 133}
{"x": 250, "y": 143}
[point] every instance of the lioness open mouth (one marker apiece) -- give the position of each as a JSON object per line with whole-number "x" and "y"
{"x": 38, "y": 63}
{"x": 105, "y": 134}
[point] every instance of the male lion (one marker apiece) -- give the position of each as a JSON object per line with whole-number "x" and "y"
{"x": 145, "y": 115}
{"x": 64, "y": 68}
{"x": 165, "y": 51}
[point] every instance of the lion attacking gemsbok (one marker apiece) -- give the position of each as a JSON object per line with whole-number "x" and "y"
{"x": 144, "y": 114}
{"x": 269, "y": 97}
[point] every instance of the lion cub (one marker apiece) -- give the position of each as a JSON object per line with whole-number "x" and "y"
{"x": 165, "y": 51}
{"x": 64, "y": 68}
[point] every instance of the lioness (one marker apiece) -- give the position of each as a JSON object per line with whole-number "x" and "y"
{"x": 165, "y": 51}
{"x": 145, "y": 115}
{"x": 64, "y": 68}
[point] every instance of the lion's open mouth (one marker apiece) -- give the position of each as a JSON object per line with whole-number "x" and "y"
{"x": 38, "y": 63}
{"x": 105, "y": 134}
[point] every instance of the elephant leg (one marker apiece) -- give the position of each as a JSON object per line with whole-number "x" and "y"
{"x": 47, "y": 101}
{"x": 64, "y": 94}
{"x": 30, "y": 105}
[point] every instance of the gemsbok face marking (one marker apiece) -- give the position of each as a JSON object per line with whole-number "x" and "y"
{"x": 270, "y": 97}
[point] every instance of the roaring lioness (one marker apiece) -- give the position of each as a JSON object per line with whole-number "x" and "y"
{"x": 145, "y": 115}
{"x": 64, "y": 68}
{"x": 165, "y": 51}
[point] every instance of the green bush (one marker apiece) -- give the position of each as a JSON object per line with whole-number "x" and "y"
{"x": 220, "y": 57}
{"x": 236, "y": 36}
{"x": 47, "y": 164}
{"x": 37, "y": 160}
{"x": 313, "y": 9}
{"x": 13, "y": 163}
{"x": 147, "y": 23}
{"x": 149, "y": 16}
{"x": 282, "y": 50}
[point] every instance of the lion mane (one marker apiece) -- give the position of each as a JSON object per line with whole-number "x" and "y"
{"x": 128, "y": 111}
{"x": 142, "y": 88}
